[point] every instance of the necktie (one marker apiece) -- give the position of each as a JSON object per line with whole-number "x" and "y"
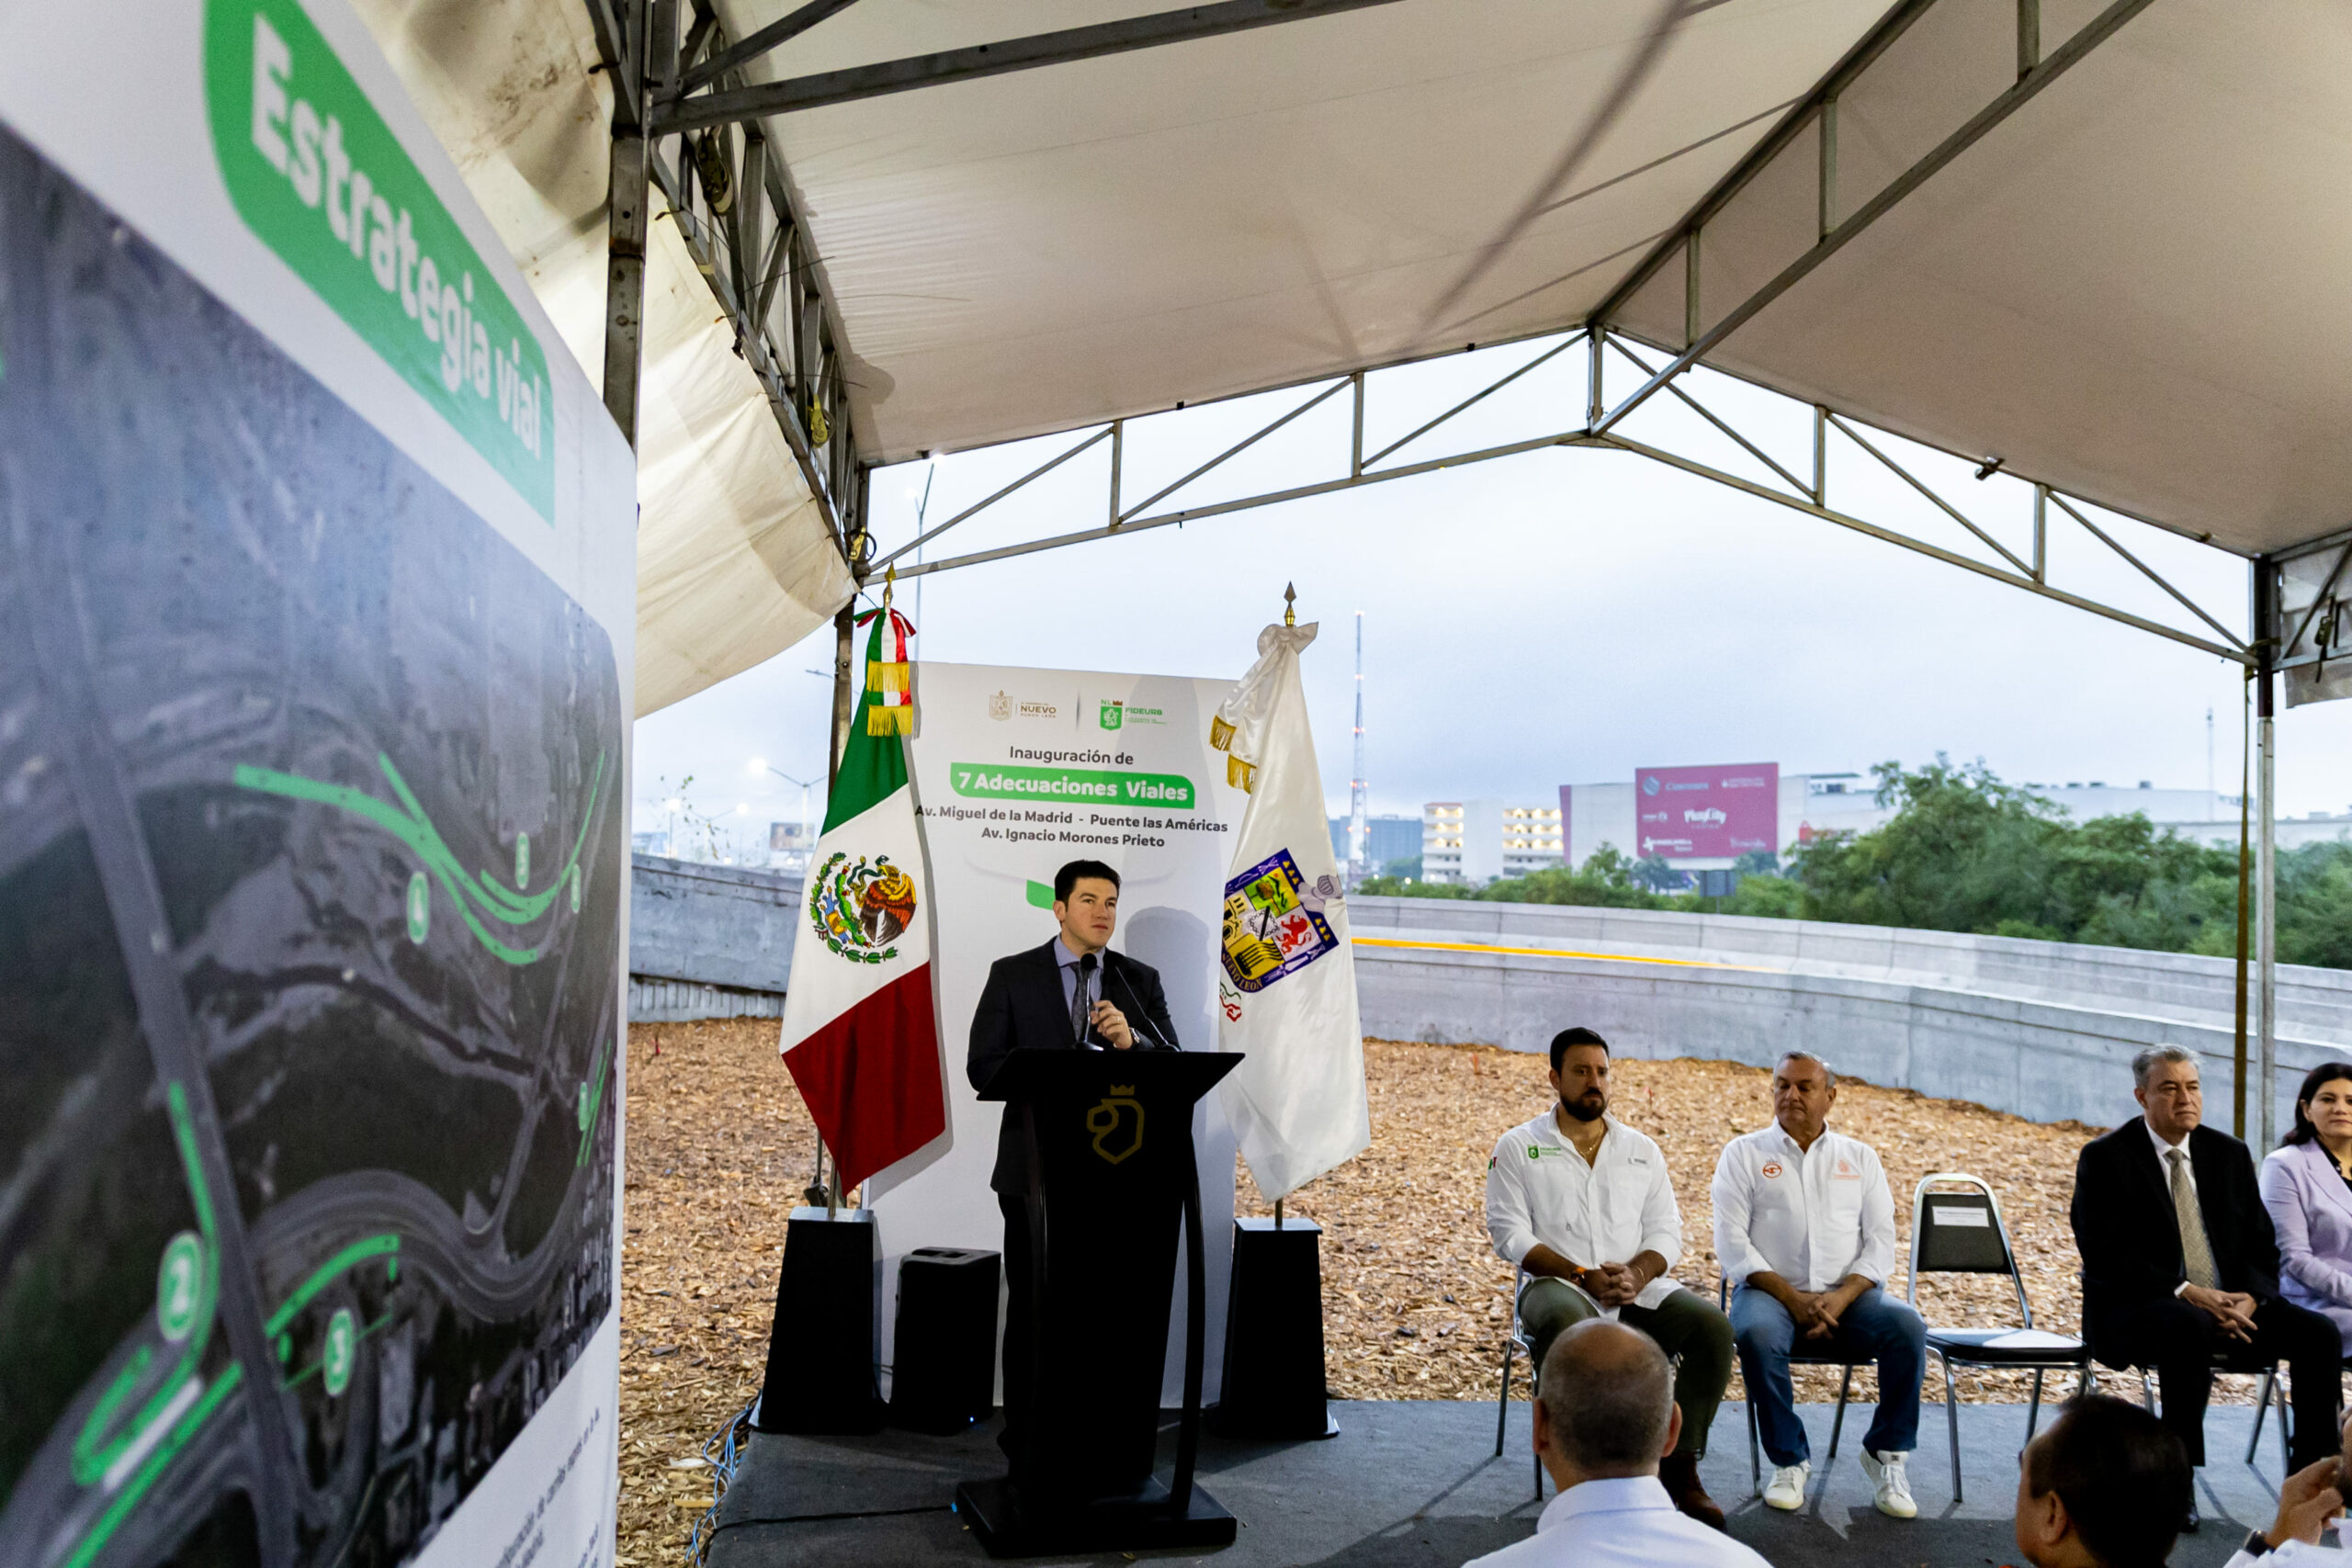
{"x": 1079, "y": 1012}
{"x": 2195, "y": 1252}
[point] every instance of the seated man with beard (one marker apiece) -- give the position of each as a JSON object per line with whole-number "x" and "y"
{"x": 1582, "y": 1203}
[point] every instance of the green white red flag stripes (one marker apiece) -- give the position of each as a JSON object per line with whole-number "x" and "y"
{"x": 860, "y": 1033}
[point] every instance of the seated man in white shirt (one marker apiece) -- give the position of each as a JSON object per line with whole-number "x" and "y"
{"x": 1603, "y": 1417}
{"x": 1583, "y": 1203}
{"x": 1805, "y": 1228}
{"x": 2104, "y": 1486}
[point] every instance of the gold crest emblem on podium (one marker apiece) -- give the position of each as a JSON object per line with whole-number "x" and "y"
{"x": 1106, "y": 1120}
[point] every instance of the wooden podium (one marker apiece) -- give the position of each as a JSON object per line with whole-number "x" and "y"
{"x": 1112, "y": 1174}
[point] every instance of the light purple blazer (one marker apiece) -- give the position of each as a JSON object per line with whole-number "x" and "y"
{"x": 2311, "y": 1209}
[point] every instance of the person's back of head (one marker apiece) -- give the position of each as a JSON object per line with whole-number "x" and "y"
{"x": 2104, "y": 1484}
{"x": 1608, "y": 1396}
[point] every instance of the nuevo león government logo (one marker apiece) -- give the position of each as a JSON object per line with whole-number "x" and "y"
{"x": 1274, "y": 922}
{"x": 861, "y": 908}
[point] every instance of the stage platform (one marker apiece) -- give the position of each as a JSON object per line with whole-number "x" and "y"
{"x": 1415, "y": 1485}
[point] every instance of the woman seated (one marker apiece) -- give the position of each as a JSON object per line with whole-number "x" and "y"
{"x": 2307, "y": 1187}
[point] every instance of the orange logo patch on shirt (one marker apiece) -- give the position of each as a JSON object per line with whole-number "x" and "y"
{"x": 1846, "y": 1173}
{"x": 1771, "y": 1169}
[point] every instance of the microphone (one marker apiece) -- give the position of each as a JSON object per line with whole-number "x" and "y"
{"x": 1141, "y": 1016}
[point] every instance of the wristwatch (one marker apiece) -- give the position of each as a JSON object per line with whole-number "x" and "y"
{"x": 2257, "y": 1544}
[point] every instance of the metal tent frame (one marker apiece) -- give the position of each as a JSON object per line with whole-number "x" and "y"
{"x": 688, "y": 126}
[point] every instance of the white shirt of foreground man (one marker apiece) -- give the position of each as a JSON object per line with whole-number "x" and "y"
{"x": 1629, "y": 1522}
{"x": 1812, "y": 1217}
{"x": 1622, "y": 1206}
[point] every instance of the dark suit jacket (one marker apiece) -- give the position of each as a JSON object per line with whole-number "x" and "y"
{"x": 2130, "y": 1245}
{"x": 1022, "y": 1010}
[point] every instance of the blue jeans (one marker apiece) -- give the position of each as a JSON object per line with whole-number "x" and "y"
{"x": 1876, "y": 1328}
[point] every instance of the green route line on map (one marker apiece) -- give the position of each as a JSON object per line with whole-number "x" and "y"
{"x": 165, "y": 1452}
{"x": 593, "y": 1090}
{"x": 91, "y": 1458}
{"x": 310, "y": 1371}
{"x": 359, "y": 1252}
{"x": 408, "y": 823}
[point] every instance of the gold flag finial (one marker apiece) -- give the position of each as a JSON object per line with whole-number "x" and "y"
{"x": 1290, "y": 603}
{"x": 890, "y": 578}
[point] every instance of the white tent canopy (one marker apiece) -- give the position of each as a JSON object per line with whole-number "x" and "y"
{"x": 2128, "y": 288}
{"x": 2125, "y": 289}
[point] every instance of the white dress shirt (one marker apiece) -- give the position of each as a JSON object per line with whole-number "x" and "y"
{"x": 1630, "y": 1523}
{"x": 2294, "y": 1554}
{"x": 1812, "y": 1217}
{"x": 1540, "y": 1190}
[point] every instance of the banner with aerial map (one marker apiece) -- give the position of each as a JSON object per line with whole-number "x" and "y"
{"x": 317, "y": 571}
{"x": 1017, "y": 771}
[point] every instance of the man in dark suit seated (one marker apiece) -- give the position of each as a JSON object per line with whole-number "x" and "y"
{"x": 1055, "y": 997}
{"x": 2178, "y": 1262}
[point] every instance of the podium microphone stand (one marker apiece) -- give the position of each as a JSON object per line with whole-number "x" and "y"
{"x": 1113, "y": 1172}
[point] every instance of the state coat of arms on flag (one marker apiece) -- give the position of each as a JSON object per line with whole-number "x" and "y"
{"x": 859, "y": 1033}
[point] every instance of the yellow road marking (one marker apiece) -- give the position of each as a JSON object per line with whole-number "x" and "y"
{"x": 1558, "y": 953}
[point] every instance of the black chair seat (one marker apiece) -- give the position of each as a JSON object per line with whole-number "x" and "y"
{"x": 2007, "y": 1347}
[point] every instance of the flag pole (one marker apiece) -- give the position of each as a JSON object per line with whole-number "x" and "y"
{"x": 1290, "y": 618}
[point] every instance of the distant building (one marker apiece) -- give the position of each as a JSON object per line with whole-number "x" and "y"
{"x": 789, "y": 847}
{"x": 1476, "y": 841}
{"x": 654, "y": 843}
{"x": 1813, "y": 804}
{"x": 1390, "y": 838}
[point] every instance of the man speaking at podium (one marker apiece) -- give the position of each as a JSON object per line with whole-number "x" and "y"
{"x": 1072, "y": 994}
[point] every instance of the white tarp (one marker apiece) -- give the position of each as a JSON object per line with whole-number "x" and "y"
{"x": 734, "y": 562}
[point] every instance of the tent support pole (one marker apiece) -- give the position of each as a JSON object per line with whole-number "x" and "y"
{"x": 625, "y": 221}
{"x": 2266, "y": 916}
{"x": 2029, "y": 36}
{"x": 844, "y": 636}
{"x": 2245, "y": 869}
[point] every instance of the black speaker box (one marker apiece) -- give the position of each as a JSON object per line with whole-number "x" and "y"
{"x": 942, "y": 1370}
{"x": 1274, "y": 1334}
{"x": 821, "y": 1346}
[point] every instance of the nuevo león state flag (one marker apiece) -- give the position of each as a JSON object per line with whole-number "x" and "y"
{"x": 1287, "y": 996}
{"x": 859, "y": 1033}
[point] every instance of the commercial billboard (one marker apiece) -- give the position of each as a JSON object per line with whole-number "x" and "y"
{"x": 1707, "y": 813}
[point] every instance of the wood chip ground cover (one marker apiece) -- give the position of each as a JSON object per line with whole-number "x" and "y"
{"x": 719, "y": 1147}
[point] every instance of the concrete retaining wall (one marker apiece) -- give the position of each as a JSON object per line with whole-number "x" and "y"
{"x": 2045, "y": 1030}
{"x": 709, "y": 941}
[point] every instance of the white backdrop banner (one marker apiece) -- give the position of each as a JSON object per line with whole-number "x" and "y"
{"x": 1016, "y": 772}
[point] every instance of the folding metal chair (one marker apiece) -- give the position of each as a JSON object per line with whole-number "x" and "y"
{"x": 1798, "y": 1357}
{"x": 2273, "y": 1386}
{"x": 1962, "y": 1233}
{"x": 1514, "y": 1342}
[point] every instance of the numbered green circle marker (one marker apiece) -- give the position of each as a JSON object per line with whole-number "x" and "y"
{"x": 420, "y": 908}
{"x": 575, "y": 889}
{"x": 521, "y": 861}
{"x": 342, "y": 1348}
{"x": 179, "y": 1286}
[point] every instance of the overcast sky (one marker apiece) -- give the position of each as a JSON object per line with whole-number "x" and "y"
{"x": 1561, "y": 616}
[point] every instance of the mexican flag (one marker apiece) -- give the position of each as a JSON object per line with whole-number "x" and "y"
{"x": 859, "y": 1033}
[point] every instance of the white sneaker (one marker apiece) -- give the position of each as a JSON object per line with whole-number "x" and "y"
{"x": 1785, "y": 1491}
{"x": 1892, "y": 1486}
